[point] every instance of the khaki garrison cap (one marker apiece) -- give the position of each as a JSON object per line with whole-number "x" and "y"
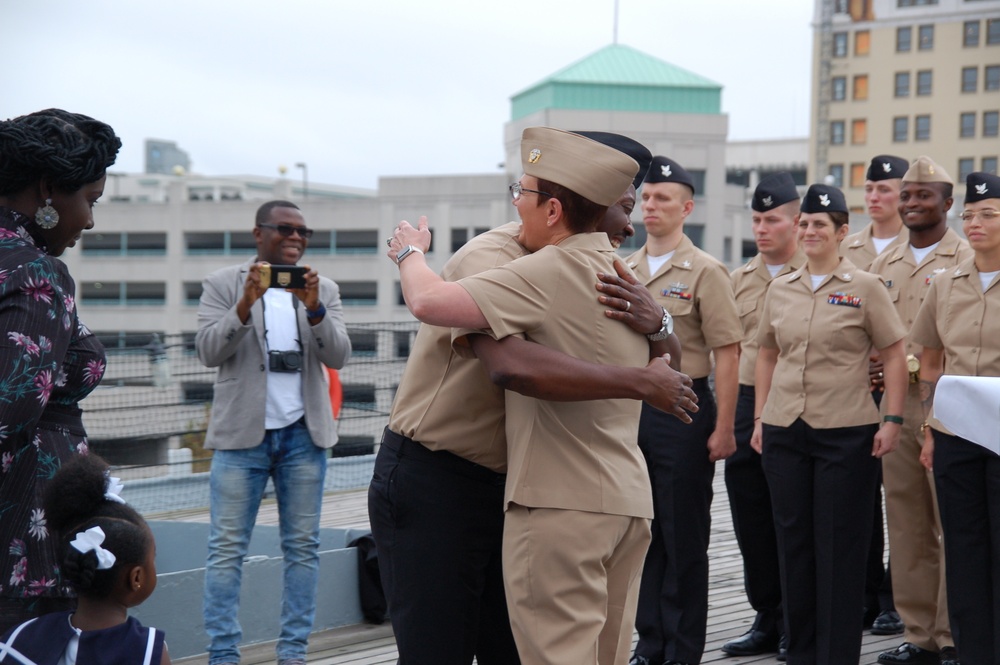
{"x": 925, "y": 169}
{"x": 593, "y": 170}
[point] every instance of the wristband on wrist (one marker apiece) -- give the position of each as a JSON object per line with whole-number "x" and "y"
{"x": 893, "y": 419}
{"x": 316, "y": 313}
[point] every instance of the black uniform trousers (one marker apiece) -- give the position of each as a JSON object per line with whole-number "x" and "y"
{"x": 967, "y": 477}
{"x": 878, "y": 578}
{"x": 822, "y": 484}
{"x": 753, "y": 521}
{"x": 673, "y": 593}
{"x": 437, "y": 520}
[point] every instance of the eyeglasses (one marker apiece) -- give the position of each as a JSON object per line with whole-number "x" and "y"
{"x": 986, "y": 214}
{"x": 516, "y": 190}
{"x": 286, "y": 230}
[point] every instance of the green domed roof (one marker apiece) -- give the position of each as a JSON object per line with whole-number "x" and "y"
{"x": 620, "y": 78}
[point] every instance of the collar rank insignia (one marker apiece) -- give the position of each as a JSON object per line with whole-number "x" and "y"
{"x": 767, "y": 201}
{"x": 981, "y": 189}
{"x": 534, "y": 155}
{"x": 844, "y": 299}
{"x": 887, "y": 167}
{"x": 824, "y": 200}
{"x": 665, "y": 170}
{"x": 686, "y": 264}
{"x": 678, "y": 291}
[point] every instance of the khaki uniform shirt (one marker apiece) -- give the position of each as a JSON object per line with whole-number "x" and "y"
{"x": 908, "y": 284}
{"x": 958, "y": 317}
{"x": 823, "y": 339}
{"x": 695, "y": 288}
{"x": 445, "y": 401}
{"x": 568, "y": 455}
{"x": 750, "y": 283}
{"x": 859, "y": 248}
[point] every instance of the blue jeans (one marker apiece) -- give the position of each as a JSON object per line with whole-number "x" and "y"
{"x": 237, "y": 483}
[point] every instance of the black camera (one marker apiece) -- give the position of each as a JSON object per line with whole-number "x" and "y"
{"x": 285, "y": 361}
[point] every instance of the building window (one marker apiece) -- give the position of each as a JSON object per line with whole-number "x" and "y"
{"x": 192, "y": 293}
{"x": 965, "y": 167}
{"x": 364, "y": 343}
{"x": 124, "y": 244}
{"x": 925, "y": 82}
{"x": 991, "y": 123}
{"x": 458, "y": 238}
{"x": 970, "y": 79}
{"x": 902, "y": 84}
{"x": 923, "y": 128}
{"x": 124, "y": 293}
{"x": 901, "y": 129}
{"x": 222, "y": 242}
{"x": 839, "y": 88}
{"x": 915, "y": 3}
{"x": 926, "y": 37}
{"x": 904, "y": 39}
{"x": 967, "y": 125}
{"x": 993, "y": 31}
{"x": 358, "y": 293}
{"x": 991, "y": 77}
{"x": 970, "y": 35}
{"x": 862, "y": 42}
{"x": 840, "y": 44}
{"x": 837, "y": 132}
{"x": 858, "y": 172}
{"x": 357, "y": 241}
{"x": 861, "y": 87}
{"x": 989, "y": 165}
{"x": 837, "y": 173}
{"x": 698, "y": 180}
{"x": 859, "y": 132}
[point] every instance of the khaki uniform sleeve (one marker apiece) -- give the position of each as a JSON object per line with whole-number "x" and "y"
{"x": 925, "y": 330}
{"x": 720, "y": 320}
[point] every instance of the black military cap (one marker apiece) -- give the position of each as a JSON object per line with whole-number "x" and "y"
{"x": 824, "y": 198}
{"x": 886, "y": 167}
{"x": 664, "y": 169}
{"x": 774, "y": 190}
{"x": 630, "y": 147}
{"x": 980, "y": 186}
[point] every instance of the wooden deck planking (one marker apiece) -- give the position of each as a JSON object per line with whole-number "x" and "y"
{"x": 729, "y": 614}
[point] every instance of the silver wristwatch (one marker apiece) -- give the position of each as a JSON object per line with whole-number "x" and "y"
{"x": 406, "y": 251}
{"x": 665, "y": 331}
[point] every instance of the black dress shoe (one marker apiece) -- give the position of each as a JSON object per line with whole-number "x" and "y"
{"x": 639, "y": 660}
{"x": 752, "y": 643}
{"x": 949, "y": 656}
{"x": 782, "y": 649}
{"x": 887, "y": 623}
{"x": 908, "y": 654}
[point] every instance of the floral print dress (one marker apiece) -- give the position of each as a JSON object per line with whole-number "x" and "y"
{"x": 49, "y": 361}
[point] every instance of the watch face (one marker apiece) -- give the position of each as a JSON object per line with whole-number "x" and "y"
{"x": 668, "y": 323}
{"x": 912, "y": 364}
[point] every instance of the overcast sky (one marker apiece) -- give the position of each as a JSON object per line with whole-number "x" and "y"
{"x": 363, "y": 88}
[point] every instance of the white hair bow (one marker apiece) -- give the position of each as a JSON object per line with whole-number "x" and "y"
{"x": 90, "y": 541}
{"x": 114, "y": 488}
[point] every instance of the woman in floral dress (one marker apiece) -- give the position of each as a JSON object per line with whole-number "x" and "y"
{"x": 52, "y": 171}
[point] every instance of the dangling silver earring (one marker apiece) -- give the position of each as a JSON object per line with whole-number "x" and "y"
{"x": 46, "y": 216}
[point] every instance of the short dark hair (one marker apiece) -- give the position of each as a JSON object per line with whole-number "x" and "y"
{"x": 74, "y": 502}
{"x": 264, "y": 212}
{"x": 839, "y": 218}
{"x": 582, "y": 215}
{"x": 69, "y": 149}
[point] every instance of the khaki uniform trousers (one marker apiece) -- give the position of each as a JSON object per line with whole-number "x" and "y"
{"x": 572, "y": 584}
{"x": 918, "y": 572}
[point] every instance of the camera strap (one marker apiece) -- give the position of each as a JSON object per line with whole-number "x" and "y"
{"x": 295, "y": 310}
